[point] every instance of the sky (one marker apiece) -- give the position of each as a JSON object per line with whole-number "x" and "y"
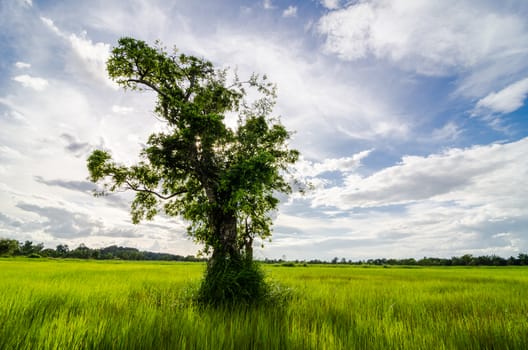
{"x": 411, "y": 118}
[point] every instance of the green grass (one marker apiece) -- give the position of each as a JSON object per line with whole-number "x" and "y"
{"x": 61, "y": 304}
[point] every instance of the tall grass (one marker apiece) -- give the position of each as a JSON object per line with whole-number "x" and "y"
{"x": 126, "y": 305}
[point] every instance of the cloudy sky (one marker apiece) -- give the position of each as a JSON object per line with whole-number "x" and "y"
{"x": 411, "y": 117}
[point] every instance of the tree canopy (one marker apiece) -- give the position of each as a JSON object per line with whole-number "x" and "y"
{"x": 223, "y": 181}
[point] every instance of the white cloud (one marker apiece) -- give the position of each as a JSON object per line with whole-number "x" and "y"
{"x": 7, "y": 153}
{"x": 92, "y": 56}
{"x": 122, "y": 109}
{"x": 431, "y": 38}
{"x": 440, "y": 229}
{"x": 34, "y": 83}
{"x": 267, "y": 4}
{"x": 343, "y": 165}
{"x": 450, "y": 131}
{"x": 26, "y": 3}
{"x": 330, "y": 105}
{"x": 330, "y": 102}
{"x": 51, "y": 25}
{"x": 472, "y": 176}
{"x": 461, "y": 201}
{"x": 62, "y": 223}
{"x": 291, "y": 11}
{"x": 22, "y": 65}
{"x": 331, "y": 4}
{"x": 506, "y": 100}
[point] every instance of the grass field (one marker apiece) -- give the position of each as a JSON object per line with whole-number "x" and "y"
{"x": 61, "y": 304}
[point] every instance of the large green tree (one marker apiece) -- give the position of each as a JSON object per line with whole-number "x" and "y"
{"x": 223, "y": 181}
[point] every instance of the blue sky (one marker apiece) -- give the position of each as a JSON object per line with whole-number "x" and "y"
{"x": 411, "y": 117}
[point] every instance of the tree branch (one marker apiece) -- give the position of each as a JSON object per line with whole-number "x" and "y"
{"x": 149, "y": 84}
{"x": 238, "y": 83}
{"x": 192, "y": 82}
{"x": 137, "y": 189}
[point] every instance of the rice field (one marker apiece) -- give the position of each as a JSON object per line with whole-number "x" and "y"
{"x": 69, "y": 304}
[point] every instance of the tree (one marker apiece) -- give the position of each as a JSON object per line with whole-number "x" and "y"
{"x": 62, "y": 250}
{"x": 523, "y": 259}
{"x": 27, "y": 248}
{"x": 223, "y": 181}
{"x": 81, "y": 252}
{"x": 8, "y": 247}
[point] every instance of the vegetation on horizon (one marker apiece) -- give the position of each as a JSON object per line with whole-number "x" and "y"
{"x": 11, "y": 247}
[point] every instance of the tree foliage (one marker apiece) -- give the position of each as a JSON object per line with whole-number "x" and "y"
{"x": 8, "y": 247}
{"x": 224, "y": 181}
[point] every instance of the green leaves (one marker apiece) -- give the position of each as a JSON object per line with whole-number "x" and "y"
{"x": 144, "y": 206}
{"x": 199, "y": 168}
{"x": 97, "y": 165}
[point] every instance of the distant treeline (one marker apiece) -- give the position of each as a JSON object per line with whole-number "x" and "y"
{"x": 11, "y": 247}
{"x": 465, "y": 260}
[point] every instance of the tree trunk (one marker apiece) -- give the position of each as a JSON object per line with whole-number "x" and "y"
{"x": 231, "y": 274}
{"x": 226, "y": 231}
{"x": 247, "y": 243}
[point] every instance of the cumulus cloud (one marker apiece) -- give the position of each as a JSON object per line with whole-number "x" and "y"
{"x": 291, "y": 11}
{"x": 121, "y": 232}
{"x": 343, "y": 165}
{"x": 22, "y": 65}
{"x": 332, "y": 106}
{"x": 450, "y": 131}
{"x": 67, "y": 224}
{"x": 431, "y": 38}
{"x": 7, "y": 221}
{"x": 7, "y": 153}
{"x": 504, "y": 101}
{"x": 92, "y": 56}
{"x": 122, "y": 109}
{"x": 81, "y": 186}
{"x": 13, "y": 117}
{"x": 331, "y": 4}
{"x": 62, "y": 223}
{"x": 267, "y": 4}
{"x": 73, "y": 145}
{"x": 51, "y": 25}
{"x": 34, "y": 83}
{"x": 461, "y": 201}
{"x": 460, "y": 175}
